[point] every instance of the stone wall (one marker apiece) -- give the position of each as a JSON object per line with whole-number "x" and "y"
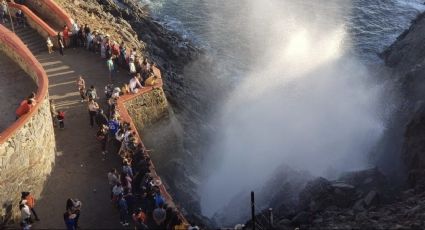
{"x": 26, "y": 160}
{"x": 27, "y": 147}
{"x": 148, "y": 108}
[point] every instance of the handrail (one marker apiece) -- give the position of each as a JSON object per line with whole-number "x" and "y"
{"x": 125, "y": 117}
{"x": 9, "y": 39}
{"x": 28, "y": 13}
{"x": 55, "y": 8}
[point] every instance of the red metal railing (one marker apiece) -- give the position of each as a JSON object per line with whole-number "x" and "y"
{"x": 33, "y": 17}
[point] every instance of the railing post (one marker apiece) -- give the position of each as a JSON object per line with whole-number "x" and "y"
{"x": 253, "y": 210}
{"x": 270, "y": 218}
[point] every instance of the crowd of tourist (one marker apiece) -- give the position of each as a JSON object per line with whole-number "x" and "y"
{"x": 135, "y": 192}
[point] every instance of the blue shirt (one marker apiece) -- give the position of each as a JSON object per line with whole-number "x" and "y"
{"x": 113, "y": 126}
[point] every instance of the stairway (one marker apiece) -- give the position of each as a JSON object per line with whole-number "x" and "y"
{"x": 30, "y": 37}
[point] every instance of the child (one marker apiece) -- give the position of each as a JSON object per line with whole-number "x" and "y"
{"x": 61, "y": 118}
{"x": 49, "y": 45}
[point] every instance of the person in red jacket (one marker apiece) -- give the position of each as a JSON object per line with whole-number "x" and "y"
{"x": 24, "y": 108}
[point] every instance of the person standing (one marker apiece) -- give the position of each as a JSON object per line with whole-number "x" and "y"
{"x": 93, "y": 107}
{"x": 101, "y": 118}
{"x": 30, "y": 202}
{"x": 60, "y": 43}
{"x": 20, "y": 18}
{"x": 61, "y": 119}
{"x": 91, "y": 93}
{"x": 111, "y": 68}
{"x": 65, "y": 35}
{"x": 113, "y": 179}
{"x": 73, "y": 207}
{"x": 81, "y": 83}
{"x": 102, "y": 137}
{"x": 69, "y": 219}
{"x": 49, "y": 45}
{"x": 122, "y": 205}
{"x": 25, "y": 214}
{"x": 4, "y": 11}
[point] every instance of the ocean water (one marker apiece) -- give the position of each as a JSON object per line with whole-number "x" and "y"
{"x": 300, "y": 85}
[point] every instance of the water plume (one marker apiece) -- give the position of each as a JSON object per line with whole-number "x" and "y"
{"x": 302, "y": 102}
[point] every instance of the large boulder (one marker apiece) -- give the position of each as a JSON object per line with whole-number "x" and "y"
{"x": 320, "y": 194}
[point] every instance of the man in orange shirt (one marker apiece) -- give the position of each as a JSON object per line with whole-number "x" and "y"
{"x": 24, "y": 108}
{"x": 30, "y": 202}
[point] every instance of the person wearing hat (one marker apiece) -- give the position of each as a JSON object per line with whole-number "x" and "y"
{"x": 30, "y": 202}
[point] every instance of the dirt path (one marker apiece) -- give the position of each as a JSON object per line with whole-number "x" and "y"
{"x": 80, "y": 170}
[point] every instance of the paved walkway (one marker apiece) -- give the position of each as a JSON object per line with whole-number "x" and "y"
{"x": 80, "y": 170}
{"x": 11, "y": 93}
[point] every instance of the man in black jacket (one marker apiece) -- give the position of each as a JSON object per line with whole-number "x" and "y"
{"x": 101, "y": 118}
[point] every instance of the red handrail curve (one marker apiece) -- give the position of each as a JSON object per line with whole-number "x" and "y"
{"x": 28, "y": 13}
{"x": 9, "y": 39}
{"x": 55, "y": 8}
{"x": 125, "y": 117}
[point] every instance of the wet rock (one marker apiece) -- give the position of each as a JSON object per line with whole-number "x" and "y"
{"x": 359, "y": 206}
{"x": 321, "y": 194}
{"x": 371, "y": 198}
{"x": 302, "y": 218}
{"x": 284, "y": 222}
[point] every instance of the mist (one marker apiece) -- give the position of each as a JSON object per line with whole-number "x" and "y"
{"x": 303, "y": 100}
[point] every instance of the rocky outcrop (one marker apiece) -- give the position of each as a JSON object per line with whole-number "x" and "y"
{"x": 355, "y": 200}
{"x": 407, "y": 58}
